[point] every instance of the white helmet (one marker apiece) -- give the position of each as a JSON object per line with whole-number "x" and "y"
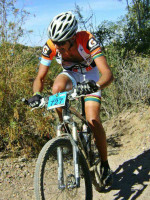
{"x": 62, "y": 27}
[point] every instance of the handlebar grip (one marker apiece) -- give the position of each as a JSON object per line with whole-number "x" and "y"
{"x": 25, "y": 101}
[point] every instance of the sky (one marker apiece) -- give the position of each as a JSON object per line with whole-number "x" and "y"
{"x": 43, "y": 11}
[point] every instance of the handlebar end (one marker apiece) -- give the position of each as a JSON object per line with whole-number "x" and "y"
{"x": 25, "y": 101}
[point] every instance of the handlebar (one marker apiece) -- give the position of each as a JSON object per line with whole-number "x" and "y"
{"x": 71, "y": 95}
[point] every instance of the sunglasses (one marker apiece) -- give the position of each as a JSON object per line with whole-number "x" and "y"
{"x": 60, "y": 43}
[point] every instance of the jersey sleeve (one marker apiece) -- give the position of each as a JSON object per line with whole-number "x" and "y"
{"x": 90, "y": 44}
{"x": 48, "y": 53}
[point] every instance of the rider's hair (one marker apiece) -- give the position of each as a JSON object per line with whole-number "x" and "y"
{"x": 62, "y": 27}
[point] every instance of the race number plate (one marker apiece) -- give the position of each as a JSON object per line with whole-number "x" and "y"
{"x": 57, "y": 100}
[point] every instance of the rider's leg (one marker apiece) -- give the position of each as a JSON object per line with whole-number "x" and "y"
{"x": 92, "y": 110}
{"x": 61, "y": 83}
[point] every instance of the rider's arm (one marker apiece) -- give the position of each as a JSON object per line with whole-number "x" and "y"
{"x": 92, "y": 46}
{"x": 49, "y": 51}
{"x": 106, "y": 74}
{"x": 39, "y": 80}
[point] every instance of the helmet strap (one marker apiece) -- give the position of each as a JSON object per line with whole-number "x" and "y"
{"x": 71, "y": 42}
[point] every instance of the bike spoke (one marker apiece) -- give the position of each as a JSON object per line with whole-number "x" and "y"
{"x": 69, "y": 189}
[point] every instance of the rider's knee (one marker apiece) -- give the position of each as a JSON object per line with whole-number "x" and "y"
{"x": 57, "y": 88}
{"x": 94, "y": 121}
{"x": 61, "y": 87}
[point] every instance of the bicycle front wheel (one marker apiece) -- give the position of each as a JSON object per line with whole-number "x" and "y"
{"x": 46, "y": 184}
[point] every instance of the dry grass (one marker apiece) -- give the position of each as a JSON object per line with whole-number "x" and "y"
{"x": 23, "y": 131}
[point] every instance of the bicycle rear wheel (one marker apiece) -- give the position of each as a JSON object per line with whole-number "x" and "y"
{"x": 46, "y": 173}
{"x": 95, "y": 163}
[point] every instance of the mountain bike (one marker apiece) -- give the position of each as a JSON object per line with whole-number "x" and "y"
{"x": 68, "y": 164}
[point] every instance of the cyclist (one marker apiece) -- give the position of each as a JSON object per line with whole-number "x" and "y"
{"x": 81, "y": 58}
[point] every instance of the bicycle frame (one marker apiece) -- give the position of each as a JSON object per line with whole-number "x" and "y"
{"x": 79, "y": 146}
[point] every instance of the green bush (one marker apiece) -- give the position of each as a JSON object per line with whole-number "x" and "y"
{"x": 22, "y": 131}
{"x": 131, "y": 85}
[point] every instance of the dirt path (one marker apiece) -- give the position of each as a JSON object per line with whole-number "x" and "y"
{"x": 129, "y": 156}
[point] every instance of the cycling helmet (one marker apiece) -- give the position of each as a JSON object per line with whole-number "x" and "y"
{"x": 62, "y": 27}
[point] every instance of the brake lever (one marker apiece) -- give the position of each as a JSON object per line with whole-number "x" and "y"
{"x": 73, "y": 94}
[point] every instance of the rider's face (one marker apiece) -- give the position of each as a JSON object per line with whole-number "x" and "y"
{"x": 62, "y": 46}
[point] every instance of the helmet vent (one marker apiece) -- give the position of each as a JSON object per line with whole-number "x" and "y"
{"x": 69, "y": 18}
{"x": 64, "y": 34}
{"x": 60, "y": 27}
{"x": 54, "y": 28}
{"x": 65, "y": 26}
{"x": 71, "y": 24}
{"x": 70, "y": 34}
{"x": 58, "y": 17}
{"x": 63, "y": 18}
{"x": 57, "y": 35}
{"x": 52, "y": 24}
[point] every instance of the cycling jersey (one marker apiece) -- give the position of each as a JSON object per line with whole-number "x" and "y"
{"x": 89, "y": 49}
{"x": 87, "y": 46}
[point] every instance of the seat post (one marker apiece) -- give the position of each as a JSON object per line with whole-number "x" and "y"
{"x": 83, "y": 106}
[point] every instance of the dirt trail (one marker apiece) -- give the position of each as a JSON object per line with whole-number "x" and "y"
{"x": 129, "y": 156}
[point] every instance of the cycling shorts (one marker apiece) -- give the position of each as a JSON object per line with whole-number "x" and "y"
{"x": 77, "y": 77}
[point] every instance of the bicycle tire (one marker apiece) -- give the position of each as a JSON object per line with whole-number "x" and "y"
{"x": 39, "y": 176}
{"x": 95, "y": 173}
{"x": 98, "y": 186}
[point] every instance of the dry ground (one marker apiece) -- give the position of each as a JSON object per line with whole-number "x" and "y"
{"x": 129, "y": 156}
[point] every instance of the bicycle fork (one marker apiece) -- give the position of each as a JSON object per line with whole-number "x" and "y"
{"x": 61, "y": 184}
{"x": 76, "y": 155}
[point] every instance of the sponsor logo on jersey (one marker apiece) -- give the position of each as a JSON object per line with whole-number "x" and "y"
{"x": 92, "y": 44}
{"x": 58, "y": 58}
{"x": 46, "y": 51}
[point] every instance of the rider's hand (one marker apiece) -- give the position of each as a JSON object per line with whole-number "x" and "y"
{"x": 35, "y": 100}
{"x": 87, "y": 87}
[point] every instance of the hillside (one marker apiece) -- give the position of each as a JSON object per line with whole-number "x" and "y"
{"x": 129, "y": 156}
